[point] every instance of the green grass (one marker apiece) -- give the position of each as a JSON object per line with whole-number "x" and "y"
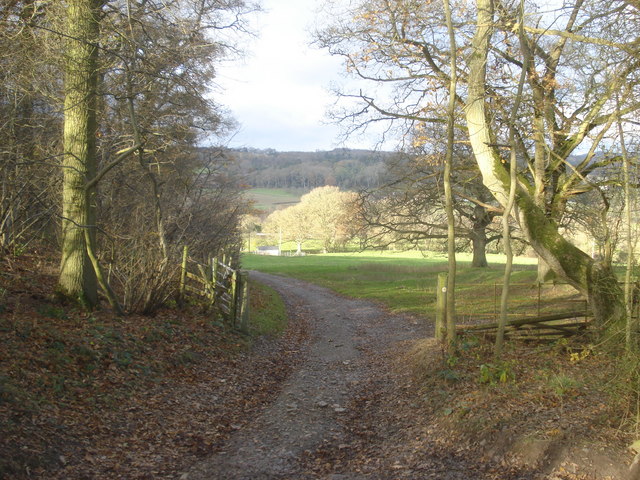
{"x": 269, "y": 199}
{"x": 406, "y": 281}
{"x": 267, "y": 311}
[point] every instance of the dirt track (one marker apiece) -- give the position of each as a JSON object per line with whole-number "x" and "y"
{"x": 350, "y": 410}
{"x": 307, "y": 413}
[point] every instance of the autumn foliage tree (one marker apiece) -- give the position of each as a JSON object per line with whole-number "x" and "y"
{"x": 325, "y": 214}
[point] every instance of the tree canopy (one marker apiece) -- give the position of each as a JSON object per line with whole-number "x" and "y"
{"x": 130, "y": 81}
{"x": 325, "y": 214}
{"x": 581, "y": 74}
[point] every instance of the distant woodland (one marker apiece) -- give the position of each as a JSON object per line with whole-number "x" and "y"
{"x": 345, "y": 168}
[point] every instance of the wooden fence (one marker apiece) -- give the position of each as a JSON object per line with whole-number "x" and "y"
{"x": 220, "y": 287}
{"x": 543, "y": 317}
{"x": 537, "y": 311}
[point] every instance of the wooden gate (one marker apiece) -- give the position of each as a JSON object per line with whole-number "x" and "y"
{"x": 220, "y": 287}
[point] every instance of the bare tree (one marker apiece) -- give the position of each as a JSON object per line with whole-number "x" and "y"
{"x": 136, "y": 80}
{"x": 571, "y": 82}
{"x": 408, "y": 208}
{"x": 29, "y": 130}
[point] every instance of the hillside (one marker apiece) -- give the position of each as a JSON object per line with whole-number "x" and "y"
{"x": 269, "y": 199}
{"x": 345, "y": 168}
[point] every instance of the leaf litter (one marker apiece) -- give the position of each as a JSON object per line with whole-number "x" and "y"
{"x": 337, "y": 396}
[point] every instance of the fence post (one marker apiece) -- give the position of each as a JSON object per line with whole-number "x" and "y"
{"x": 233, "y": 304}
{"x": 244, "y": 302}
{"x": 539, "y": 296}
{"x": 441, "y": 306}
{"x": 183, "y": 274}
{"x": 214, "y": 271}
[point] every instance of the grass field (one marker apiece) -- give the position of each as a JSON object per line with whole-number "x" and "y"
{"x": 406, "y": 281}
{"x": 268, "y": 199}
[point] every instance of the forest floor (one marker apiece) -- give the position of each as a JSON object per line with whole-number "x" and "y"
{"x": 349, "y": 391}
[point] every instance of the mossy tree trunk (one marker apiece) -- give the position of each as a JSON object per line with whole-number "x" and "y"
{"x": 77, "y": 278}
{"x": 595, "y": 280}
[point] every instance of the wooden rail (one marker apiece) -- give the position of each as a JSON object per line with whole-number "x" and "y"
{"x": 543, "y": 327}
{"x": 220, "y": 287}
{"x": 540, "y": 326}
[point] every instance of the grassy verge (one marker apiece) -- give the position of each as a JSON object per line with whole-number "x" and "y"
{"x": 406, "y": 281}
{"x": 267, "y": 311}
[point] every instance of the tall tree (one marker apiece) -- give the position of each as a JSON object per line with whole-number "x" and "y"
{"x": 131, "y": 82}
{"x": 408, "y": 208}
{"x": 77, "y": 276}
{"x": 513, "y": 171}
{"x": 581, "y": 55}
{"x": 448, "y": 193}
{"x": 631, "y": 330}
{"x": 536, "y": 215}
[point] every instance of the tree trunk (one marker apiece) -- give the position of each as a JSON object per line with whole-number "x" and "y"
{"x": 506, "y": 231}
{"x": 77, "y": 277}
{"x": 479, "y": 245}
{"x": 631, "y": 331}
{"x": 451, "y": 238}
{"x": 481, "y": 220}
{"x": 545, "y": 273}
{"x": 596, "y": 281}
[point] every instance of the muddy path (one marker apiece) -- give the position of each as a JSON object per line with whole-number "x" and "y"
{"x": 341, "y": 414}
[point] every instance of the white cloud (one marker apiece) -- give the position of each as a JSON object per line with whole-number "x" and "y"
{"x": 279, "y": 93}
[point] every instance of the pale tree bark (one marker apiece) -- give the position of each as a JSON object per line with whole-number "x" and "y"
{"x": 77, "y": 278}
{"x": 595, "y": 280}
{"x": 631, "y": 331}
{"x": 448, "y": 166}
{"x": 506, "y": 231}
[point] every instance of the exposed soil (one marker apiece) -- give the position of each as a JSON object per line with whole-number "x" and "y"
{"x": 352, "y": 409}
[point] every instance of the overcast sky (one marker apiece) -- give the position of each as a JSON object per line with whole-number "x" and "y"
{"x": 280, "y": 93}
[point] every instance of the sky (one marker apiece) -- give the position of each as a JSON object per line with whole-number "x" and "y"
{"x": 279, "y": 93}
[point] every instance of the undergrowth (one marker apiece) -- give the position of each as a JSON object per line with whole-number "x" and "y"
{"x": 60, "y": 366}
{"x": 268, "y": 315}
{"x": 537, "y": 390}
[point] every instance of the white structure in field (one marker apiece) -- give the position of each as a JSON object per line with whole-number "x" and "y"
{"x": 269, "y": 250}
